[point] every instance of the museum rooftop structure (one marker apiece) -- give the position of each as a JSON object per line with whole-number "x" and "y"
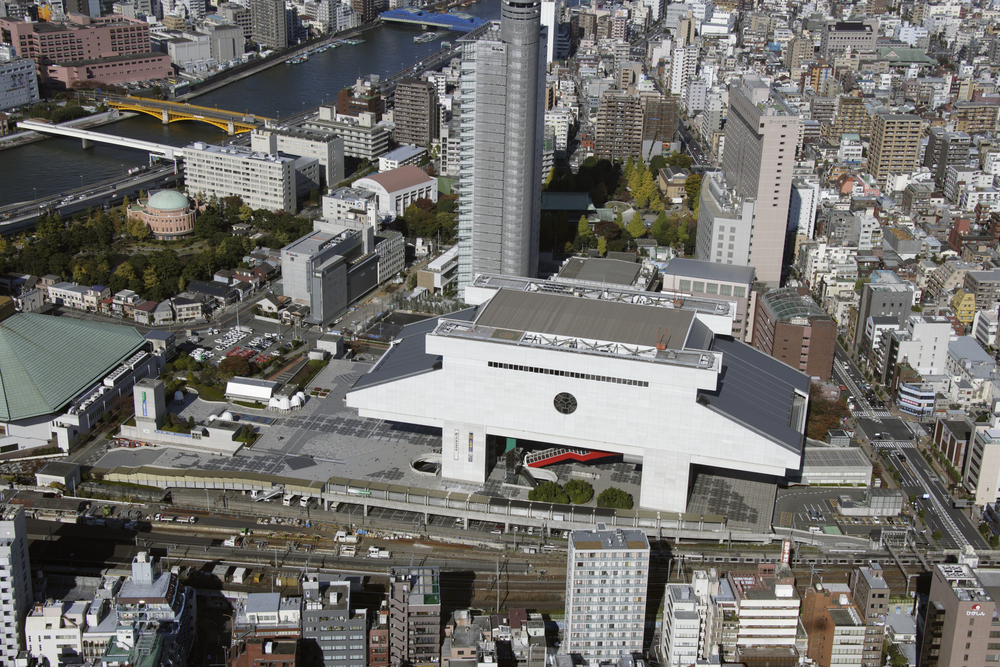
{"x": 634, "y": 373}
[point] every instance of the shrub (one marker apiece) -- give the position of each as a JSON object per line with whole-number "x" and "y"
{"x": 579, "y": 491}
{"x": 615, "y": 498}
{"x": 548, "y": 492}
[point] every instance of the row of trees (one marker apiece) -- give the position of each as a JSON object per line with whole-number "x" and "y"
{"x": 579, "y": 492}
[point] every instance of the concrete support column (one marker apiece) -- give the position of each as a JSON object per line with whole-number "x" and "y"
{"x": 165, "y": 116}
{"x": 231, "y": 128}
{"x": 665, "y": 480}
{"x": 87, "y": 143}
{"x": 463, "y": 452}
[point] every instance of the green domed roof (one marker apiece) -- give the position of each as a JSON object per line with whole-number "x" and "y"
{"x": 168, "y": 200}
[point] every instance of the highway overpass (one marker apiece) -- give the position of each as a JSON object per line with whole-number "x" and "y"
{"x": 88, "y": 137}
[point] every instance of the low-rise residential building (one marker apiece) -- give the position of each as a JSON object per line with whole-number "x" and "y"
{"x": 364, "y": 136}
{"x": 76, "y": 296}
{"x": 333, "y": 633}
{"x": 441, "y": 272}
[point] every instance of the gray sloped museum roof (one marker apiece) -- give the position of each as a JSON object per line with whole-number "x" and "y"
{"x": 408, "y": 355}
{"x": 758, "y": 391}
{"x": 45, "y": 361}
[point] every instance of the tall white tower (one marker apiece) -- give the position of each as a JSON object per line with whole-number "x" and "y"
{"x": 501, "y": 132}
{"x": 607, "y": 573}
{"x": 15, "y": 595}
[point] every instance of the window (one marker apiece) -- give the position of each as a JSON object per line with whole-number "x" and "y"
{"x": 684, "y": 285}
{"x": 698, "y": 286}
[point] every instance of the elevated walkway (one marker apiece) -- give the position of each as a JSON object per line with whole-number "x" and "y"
{"x": 556, "y": 454}
{"x": 89, "y": 137}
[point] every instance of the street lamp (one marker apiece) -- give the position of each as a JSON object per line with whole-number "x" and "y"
{"x": 35, "y": 192}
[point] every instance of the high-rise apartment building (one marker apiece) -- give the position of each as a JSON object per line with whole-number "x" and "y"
{"x": 886, "y": 295}
{"x": 263, "y": 181}
{"x": 842, "y": 37}
{"x": 619, "y": 126}
{"x": 15, "y": 595}
{"x": 416, "y": 113}
{"x": 945, "y": 148}
{"x": 607, "y": 572}
{"x": 238, "y": 15}
{"x": 895, "y": 144}
{"x": 683, "y": 65}
{"x": 744, "y": 214}
{"x": 961, "y": 627}
{"x": 975, "y": 117}
{"x": 502, "y": 88}
{"x": 269, "y": 24}
{"x": 790, "y": 326}
{"x": 871, "y": 595}
{"x": 415, "y": 617}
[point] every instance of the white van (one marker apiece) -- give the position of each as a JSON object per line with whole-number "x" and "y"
{"x": 286, "y": 500}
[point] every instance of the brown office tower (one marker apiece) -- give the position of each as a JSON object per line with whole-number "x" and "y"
{"x": 364, "y": 96}
{"x": 871, "y": 595}
{"x": 368, "y": 9}
{"x": 961, "y": 629}
{"x": 415, "y": 617}
{"x": 834, "y": 626}
{"x": 619, "y": 126}
{"x": 378, "y": 638}
{"x": 895, "y": 144}
{"x": 791, "y": 327}
{"x": 660, "y": 118}
{"x": 416, "y": 113}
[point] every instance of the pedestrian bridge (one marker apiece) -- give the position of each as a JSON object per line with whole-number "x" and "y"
{"x": 89, "y": 137}
{"x": 172, "y": 112}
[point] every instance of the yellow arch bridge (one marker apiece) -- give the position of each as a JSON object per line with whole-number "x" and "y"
{"x": 172, "y": 112}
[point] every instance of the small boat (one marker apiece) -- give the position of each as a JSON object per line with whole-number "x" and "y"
{"x": 425, "y": 37}
{"x": 300, "y": 59}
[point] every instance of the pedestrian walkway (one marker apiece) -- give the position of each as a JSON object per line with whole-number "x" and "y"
{"x": 289, "y": 371}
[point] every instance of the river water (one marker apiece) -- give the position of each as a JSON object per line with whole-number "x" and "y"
{"x": 60, "y": 164}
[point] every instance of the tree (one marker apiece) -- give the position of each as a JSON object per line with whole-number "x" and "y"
{"x": 824, "y": 414}
{"x": 615, "y": 498}
{"x": 549, "y": 492}
{"x": 602, "y": 246}
{"x": 620, "y": 220}
{"x": 579, "y": 491}
{"x": 679, "y": 160}
{"x": 149, "y": 278}
{"x": 692, "y": 186}
{"x": 235, "y": 365}
{"x": 583, "y": 227}
{"x": 636, "y": 227}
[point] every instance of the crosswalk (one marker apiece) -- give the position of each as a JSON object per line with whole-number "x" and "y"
{"x": 893, "y": 444}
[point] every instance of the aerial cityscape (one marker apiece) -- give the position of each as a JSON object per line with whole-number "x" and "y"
{"x": 499, "y": 333}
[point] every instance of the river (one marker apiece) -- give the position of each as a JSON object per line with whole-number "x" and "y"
{"x": 56, "y": 165}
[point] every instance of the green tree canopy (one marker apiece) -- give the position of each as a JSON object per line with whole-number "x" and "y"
{"x": 636, "y": 227}
{"x": 548, "y": 492}
{"x": 579, "y": 491}
{"x": 615, "y": 498}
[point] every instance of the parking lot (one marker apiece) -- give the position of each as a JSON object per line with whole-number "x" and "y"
{"x": 213, "y": 345}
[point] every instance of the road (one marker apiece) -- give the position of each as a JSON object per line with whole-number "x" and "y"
{"x": 21, "y": 215}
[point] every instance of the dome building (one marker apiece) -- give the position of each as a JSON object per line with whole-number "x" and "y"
{"x": 168, "y": 214}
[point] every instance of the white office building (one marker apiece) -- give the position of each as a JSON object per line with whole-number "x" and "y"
{"x": 15, "y": 594}
{"x": 262, "y": 180}
{"x": 18, "y": 84}
{"x": 539, "y": 360}
{"x": 56, "y": 629}
{"x": 681, "y": 627}
{"x": 607, "y": 572}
